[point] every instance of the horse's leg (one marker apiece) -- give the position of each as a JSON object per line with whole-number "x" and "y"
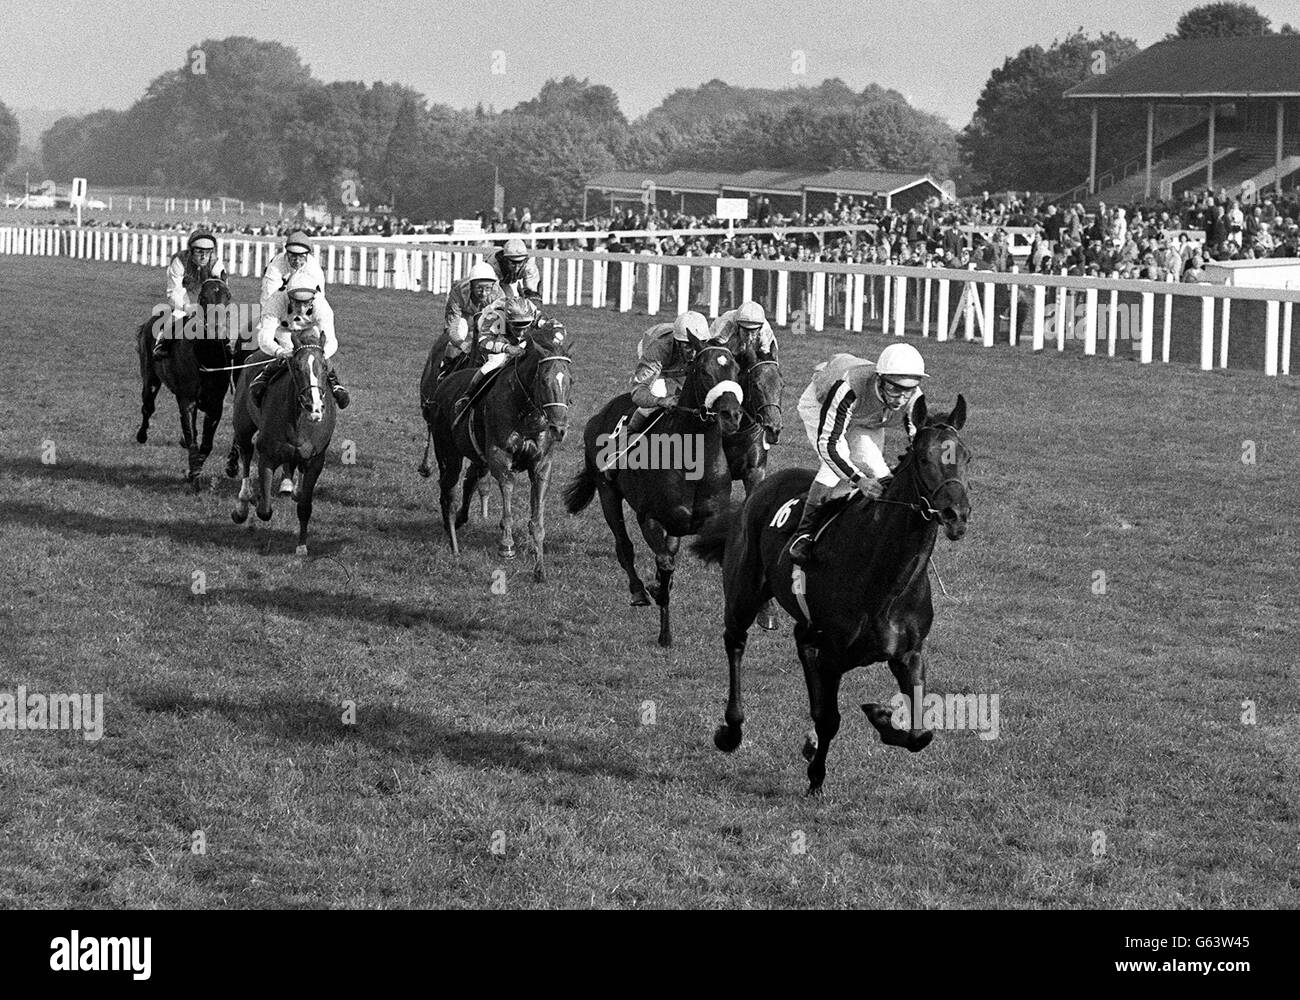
{"x": 265, "y": 474}
{"x": 909, "y": 670}
{"x": 767, "y": 614}
{"x": 472, "y": 477}
{"x": 287, "y": 472}
{"x": 665, "y": 549}
{"x": 310, "y": 473}
{"x": 189, "y": 411}
{"x": 540, "y": 476}
{"x": 425, "y": 470}
{"x": 744, "y": 586}
{"x": 149, "y": 383}
{"x": 611, "y": 503}
{"x": 506, "y": 483}
{"x": 448, "y": 473}
{"x": 823, "y": 680}
{"x": 241, "y": 456}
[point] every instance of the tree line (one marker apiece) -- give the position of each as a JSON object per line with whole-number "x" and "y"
{"x": 246, "y": 118}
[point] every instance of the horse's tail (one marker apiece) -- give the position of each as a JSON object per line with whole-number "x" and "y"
{"x": 579, "y": 490}
{"x": 711, "y": 542}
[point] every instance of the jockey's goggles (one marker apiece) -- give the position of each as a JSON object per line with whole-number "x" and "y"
{"x": 888, "y": 386}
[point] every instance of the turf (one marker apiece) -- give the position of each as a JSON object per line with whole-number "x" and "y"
{"x": 501, "y": 754}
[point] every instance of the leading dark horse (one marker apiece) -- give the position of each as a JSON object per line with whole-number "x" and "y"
{"x": 293, "y": 427}
{"x": 192, "y": 369}
{"x": 867, "y": 596}
{"x": 515, "y": 426}
{"x": 672, "y": 493}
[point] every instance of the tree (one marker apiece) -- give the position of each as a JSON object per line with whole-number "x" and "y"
{"x": 1221, "y": 20}
{"x": 1026, "y": 135}
{"x": 8, "y": 138}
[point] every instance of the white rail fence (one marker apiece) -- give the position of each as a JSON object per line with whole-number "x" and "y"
{"x": 945, "y": 304}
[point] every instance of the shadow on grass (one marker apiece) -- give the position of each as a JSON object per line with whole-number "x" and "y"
{"x": 138, "y": 476}
{"x": 314, "y": 605}
{"x": 396, "y": 731}
{"x": 278, "y": 538}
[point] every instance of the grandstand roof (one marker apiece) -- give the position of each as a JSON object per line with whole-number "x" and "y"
{"x": 775, "y": 181}
{"x": 1256, "y": 66}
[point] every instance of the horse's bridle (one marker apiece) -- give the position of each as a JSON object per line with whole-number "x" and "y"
{"x": 533, "y": 405}
{"x": 926, "y": 505}
{"x": 303, "y": 396}
{"x": 703, "y": 413}
{"x": 757, "y": 418}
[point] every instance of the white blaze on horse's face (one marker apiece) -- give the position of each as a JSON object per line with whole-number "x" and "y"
{"x": 317, "y": 404}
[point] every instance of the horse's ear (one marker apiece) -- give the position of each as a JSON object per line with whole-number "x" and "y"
{"x": 958, "y": 415}
{"x": 920, "y": 409}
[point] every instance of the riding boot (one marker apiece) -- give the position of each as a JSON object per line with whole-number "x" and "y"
{"x": 470, "y": 389}
{"x": 814, "y": 513}
{"x": 341, "y": 396}
{"x": 639, "y": 419}
{"x": 257, "y": 389}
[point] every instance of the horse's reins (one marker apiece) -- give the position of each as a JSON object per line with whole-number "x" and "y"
{"x": 702, "y": 413}
{"x": 926, "y": 507}
{"x": 534, "y": 406}
{"x": 756, "y": 419}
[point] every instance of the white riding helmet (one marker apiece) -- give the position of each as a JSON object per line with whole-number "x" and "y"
{"x": 901, "y": 363}
{"x": 482, "y": 271}
{"x": 750, "y": 314}
{"x": 515, "y": 250}
{"x": 690, "y": 324}
{"x": 301, "y": 288}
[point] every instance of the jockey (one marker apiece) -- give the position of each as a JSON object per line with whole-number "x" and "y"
{"x": 845, "y": 410}
{"x": 501, "y": 331}
{"x": 662, "y": 356}
{"x": 185, "y": 274}
{"x": 517, "y": 274}
{"x": 296, "y": 259}
{"x": 294, "y": 310}
{"x": 748, "y": 325}
{"x": 467, "y": 298}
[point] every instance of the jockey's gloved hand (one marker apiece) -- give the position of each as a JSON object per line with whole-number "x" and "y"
{"x": 870, "y": 488}
{"x": 666, "y": 402}
{"x": 284, "y": 352}
{"x": 514, "y": 350}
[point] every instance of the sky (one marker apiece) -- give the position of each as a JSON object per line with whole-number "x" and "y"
{"x": 79, "y": 55}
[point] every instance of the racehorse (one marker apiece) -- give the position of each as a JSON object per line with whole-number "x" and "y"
{"x": 760, "y": 428}
{"x": 670, "y": 497}
{"x": 516, "y": 423}
{"x": 293, "y": 427}
{"x": 193, "y": 369}
{"x": 865, "y": 599}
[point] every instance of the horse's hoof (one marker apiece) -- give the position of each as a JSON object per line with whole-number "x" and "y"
{"x": 640, "y": 599}
{"x": 505, "y": 553}
{"x": 768, "y": 623}
{"x": 232, "y": 470}
{"x": 539, "y": 575}
{"x": 665, "y": 641}
{"x": 286, "y": 486}
{"x": 815, "y": 791}
{"x": 425, "y": 471}
{"x": 141, "y": 437}
{"x": 237, "y": 517}
{"x": 264, "y": 516}
{"x": 301, "y": 550}
{"x": 918, "y": 742}
{"x": 725, "y": 739}
{"x": 809, "y": 748}
{"x": 196, "y": 484}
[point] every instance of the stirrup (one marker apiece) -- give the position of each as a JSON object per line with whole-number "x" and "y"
{"x": 804, "y": 554}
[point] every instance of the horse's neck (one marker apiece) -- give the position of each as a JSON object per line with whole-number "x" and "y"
{"x": 895, "y": 541}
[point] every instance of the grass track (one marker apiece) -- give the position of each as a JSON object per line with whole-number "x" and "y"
{"x": 521, "y": 713}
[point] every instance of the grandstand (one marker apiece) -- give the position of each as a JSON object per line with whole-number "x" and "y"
{"x": 695, "y": 191}
{"x": 1243, "y": 95}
